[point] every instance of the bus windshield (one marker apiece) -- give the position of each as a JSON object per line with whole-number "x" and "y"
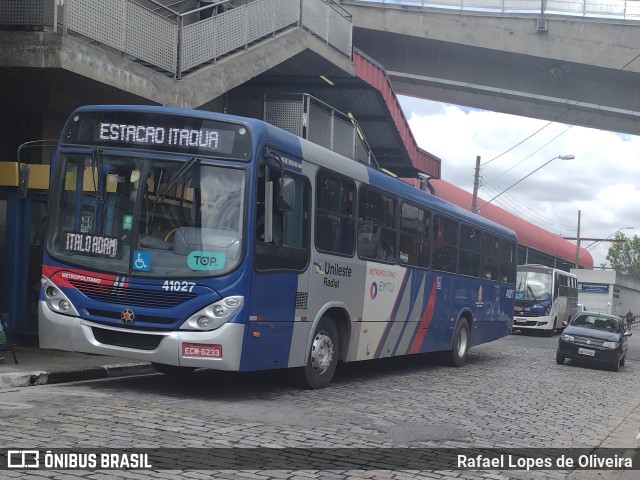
{"x": 127, "y": 215}
{"x": 533, "y": 286}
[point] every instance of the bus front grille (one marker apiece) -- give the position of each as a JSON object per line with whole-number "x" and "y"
{"x": 139, "y": 341}
{"x": 132, "y": 296}
{"x": 139, "y": 318}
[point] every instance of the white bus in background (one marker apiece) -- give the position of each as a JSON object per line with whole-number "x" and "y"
{"x": 545, "y": 297}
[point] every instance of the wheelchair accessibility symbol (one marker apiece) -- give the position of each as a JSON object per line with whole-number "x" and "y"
{"x": 141, "y": 261}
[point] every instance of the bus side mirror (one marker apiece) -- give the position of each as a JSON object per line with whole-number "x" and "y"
{"x": 286, "y": 194}
{"x": 23, "y": 180}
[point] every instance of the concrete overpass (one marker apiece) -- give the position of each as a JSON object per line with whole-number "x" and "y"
{"x": 576, "y": 70}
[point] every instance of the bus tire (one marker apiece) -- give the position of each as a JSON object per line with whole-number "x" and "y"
{"x": 173, "y": 371}
{"x": 323, "y": 356}
{"x": 460, "y": 348}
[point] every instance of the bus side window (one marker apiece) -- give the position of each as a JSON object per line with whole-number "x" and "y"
{"x": 376, "y": 225}
{"x": 444, "y": 245}
{"x": 334, "y": 214}
{"x": 289, "y": 245}
{"x": 414, "y": 236}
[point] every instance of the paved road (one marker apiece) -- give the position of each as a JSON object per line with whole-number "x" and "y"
{"x": 510, "y": 394}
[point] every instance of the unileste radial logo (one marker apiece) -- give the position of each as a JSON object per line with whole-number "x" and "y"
{"x": 332, "y": 273}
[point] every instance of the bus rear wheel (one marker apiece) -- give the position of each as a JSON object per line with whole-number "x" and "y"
{"x": 460, "y": 348}
{"x": 323, "y": 356}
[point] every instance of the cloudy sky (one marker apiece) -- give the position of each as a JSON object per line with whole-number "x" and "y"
{"x": 602, "y": 182}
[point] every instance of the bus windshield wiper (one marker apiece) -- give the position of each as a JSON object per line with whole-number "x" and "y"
{"x": 185, "y": 169}
{"x": 531, "y": 292}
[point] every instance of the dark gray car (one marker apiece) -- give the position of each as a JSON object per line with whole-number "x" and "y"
{"x": 595, "y": 338}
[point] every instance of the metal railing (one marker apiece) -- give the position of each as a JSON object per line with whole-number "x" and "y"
{"x": 617, "y": 9}
{"x": 175, "y": 41}
{"x": 306, "y": 117}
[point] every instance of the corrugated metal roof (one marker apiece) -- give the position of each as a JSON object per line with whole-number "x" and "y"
{"x": 529, "y": 235}
{"x": 372, "y": 73}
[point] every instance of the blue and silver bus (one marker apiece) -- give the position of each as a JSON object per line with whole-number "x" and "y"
{"x": 193, "y": 239}
{"x": 545, "y": 297}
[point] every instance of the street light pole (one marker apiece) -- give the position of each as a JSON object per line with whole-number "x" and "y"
{"x": 578, "y": 242}
{"x": 561, "y": 157}
{"x": 476, "y": 183}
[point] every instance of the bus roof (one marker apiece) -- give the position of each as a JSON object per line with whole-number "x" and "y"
{"x": 535, "y": 267}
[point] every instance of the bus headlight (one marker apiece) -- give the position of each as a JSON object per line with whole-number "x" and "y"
{"x": 55, "y": 299}
{"x": 203, "y": 322}
{"x": 215, "y": 315}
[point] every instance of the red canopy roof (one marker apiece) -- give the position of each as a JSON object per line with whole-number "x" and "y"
{"x": 528, "y": 234}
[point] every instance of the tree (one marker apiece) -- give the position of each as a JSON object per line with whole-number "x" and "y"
{"x": 624, "y": 255}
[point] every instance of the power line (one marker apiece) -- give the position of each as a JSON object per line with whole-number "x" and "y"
{"x": 510, "y": 203}
{"x": 561, "y": 114}
{"x": 490, "y": 188}
{"x": 532, "y": 153}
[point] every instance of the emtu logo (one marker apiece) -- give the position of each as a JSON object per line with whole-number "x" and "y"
{"x": 373, "y": 290}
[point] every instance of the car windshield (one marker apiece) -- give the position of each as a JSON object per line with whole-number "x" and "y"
{"x": 533, "y": 286}
{"x": 152, "y": 218}
{"x": 596, "y": 322}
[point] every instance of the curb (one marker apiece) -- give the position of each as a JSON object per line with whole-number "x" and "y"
{"x": 29, "y": 379}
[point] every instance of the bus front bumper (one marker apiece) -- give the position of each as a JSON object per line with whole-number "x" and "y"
{"x": 532, "y": 323}
{"x": 219, "y": 349}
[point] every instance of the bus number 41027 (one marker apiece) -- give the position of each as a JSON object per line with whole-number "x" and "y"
{"x": 178, "y": 286}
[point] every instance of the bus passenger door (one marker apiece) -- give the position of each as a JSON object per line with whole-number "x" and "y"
{"x": 280, "y": 274}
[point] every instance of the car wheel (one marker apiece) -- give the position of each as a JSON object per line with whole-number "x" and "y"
{"x": 622, "y": 360}
{"x": 323, "y": 357}
{"x": 616, "y": 366}
{"x": 559, "y": 359}
{"x": 461, "y": 339}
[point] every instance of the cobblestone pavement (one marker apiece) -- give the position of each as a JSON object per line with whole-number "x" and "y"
{"x": 505, "y": 397}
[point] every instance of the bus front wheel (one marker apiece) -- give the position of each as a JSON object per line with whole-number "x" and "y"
{"x": 458, "y": 354}
{"x": 323, "y": 356}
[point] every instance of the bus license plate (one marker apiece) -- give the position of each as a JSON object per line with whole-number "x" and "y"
{"x": 201, "y": 350}
{"x": 586, "y": 351}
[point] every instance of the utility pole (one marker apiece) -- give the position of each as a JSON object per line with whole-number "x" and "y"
{"x": 578, "y": 242}
{"x": 476, "y": 182}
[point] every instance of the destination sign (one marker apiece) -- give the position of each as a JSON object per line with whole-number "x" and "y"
{"x": 159, "y": 131}
{"x": 152, "y": 134}
{"x": 93, "y": 245}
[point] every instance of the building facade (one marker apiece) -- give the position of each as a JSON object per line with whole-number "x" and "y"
{"x": 607, "y": 291}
